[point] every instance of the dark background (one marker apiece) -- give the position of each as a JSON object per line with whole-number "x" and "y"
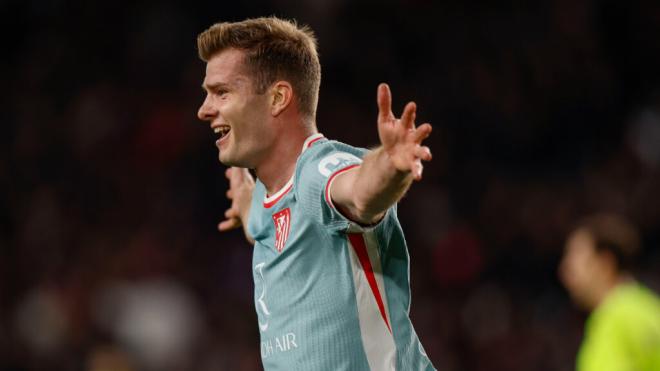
{"x": 111, "y": 189}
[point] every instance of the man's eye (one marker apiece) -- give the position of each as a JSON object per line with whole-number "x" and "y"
{"x": 221, "y": 92}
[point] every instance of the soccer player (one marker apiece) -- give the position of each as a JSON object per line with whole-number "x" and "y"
{"x": 622, "y": 332}
{"x": 330, "y": 262}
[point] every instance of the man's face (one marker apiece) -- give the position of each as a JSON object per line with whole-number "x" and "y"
{"x": 236, "y": 113}
{"x": 581, "y": 268}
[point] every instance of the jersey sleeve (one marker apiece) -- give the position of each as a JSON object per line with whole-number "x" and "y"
{"x": 314, "y": 179}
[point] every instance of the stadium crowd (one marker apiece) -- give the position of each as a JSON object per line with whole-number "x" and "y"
{"x": 543, "y": 112}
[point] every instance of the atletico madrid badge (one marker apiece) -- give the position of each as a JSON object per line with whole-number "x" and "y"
{"x": 282, "y": 220}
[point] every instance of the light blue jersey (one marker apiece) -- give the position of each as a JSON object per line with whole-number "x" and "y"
{"x": 329, "y": 294}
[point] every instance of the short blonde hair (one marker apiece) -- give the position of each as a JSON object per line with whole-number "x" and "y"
{"x": 274, "y": 49}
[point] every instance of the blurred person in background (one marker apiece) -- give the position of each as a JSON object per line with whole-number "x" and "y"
{"x": 623, "y": 329}
{"x": 330, "y": 263}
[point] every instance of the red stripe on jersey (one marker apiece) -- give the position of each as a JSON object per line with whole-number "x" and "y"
{"x": 327, "y": 185}
{"x": 360, "y": 247}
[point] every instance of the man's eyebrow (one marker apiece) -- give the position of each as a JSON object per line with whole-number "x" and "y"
{"x": 214, "y": 86}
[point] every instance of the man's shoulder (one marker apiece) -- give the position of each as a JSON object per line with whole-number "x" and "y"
{"x": 631, "y": 307}
{"x": 628, "y": 299}
{"x": 316, "y": 166}
{"x": 326, "y": 156}
{"x": 329, "y": 146}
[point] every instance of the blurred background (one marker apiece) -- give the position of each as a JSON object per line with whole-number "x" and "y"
{"x": 111, "y": 188}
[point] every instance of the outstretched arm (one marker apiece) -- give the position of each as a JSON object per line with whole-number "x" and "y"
{"x": 241, "y": 185}
{"x": 366, "y": 192}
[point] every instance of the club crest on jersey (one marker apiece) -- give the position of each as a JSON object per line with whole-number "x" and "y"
{"x": 282, "y": 220}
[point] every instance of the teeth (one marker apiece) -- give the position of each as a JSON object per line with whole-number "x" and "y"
{"x": 222, "y": 130}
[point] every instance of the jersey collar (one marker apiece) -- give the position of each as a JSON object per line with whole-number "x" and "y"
{"x": 269, "y": 201}
{"x": 311, "y": 140}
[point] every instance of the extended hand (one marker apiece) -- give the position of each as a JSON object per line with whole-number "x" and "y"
{"x": 401, "y": 140}
{"x": 241, "y": 185}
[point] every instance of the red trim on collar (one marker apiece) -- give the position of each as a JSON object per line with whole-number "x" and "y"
{"x": 270, "y": 204}
{"x": 314, "y": 141}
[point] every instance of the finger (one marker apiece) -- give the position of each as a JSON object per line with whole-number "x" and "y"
{"x": 232, "y": 213}
{"x": 384, "y": 98}
{"x": 408, "y": 115}
{"x": 423, "y": 153}
{"x": 230, "y": 194}
{"x": 422, "y": 132}
{"x": 229, "y": 224}
{"x": 228, "y": 173}
{"x": 417, "y": 170}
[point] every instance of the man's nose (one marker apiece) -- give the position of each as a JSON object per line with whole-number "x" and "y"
{"x": 206, "y": 112}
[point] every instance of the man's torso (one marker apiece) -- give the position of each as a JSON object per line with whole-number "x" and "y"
{"x": 329, "y": 294}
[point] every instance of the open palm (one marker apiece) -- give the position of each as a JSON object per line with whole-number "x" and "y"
{"x": 401, "y": 140}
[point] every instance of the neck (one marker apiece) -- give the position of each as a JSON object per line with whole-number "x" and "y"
{"x": 276, "y": 170}
{"x": 609, "y": 286}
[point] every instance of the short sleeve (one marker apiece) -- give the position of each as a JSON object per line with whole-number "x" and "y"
{"x": 315, "y": 173}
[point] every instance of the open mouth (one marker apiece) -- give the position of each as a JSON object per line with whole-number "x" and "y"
{"x": 222, "y": 130}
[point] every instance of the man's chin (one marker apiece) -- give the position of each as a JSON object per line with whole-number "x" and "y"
{"x": 231, "y": 162}
{"x": 225, "y": 160}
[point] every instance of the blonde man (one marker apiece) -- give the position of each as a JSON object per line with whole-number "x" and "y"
{"x": 330, "y": 263}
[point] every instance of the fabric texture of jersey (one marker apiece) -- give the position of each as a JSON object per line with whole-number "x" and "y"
{"x": 623, "y": 333}
{"x": 329, "y": 294}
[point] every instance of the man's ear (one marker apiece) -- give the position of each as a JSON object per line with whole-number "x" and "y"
{"x": 609, "y": 261}
{"x": 282, "y": 97}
